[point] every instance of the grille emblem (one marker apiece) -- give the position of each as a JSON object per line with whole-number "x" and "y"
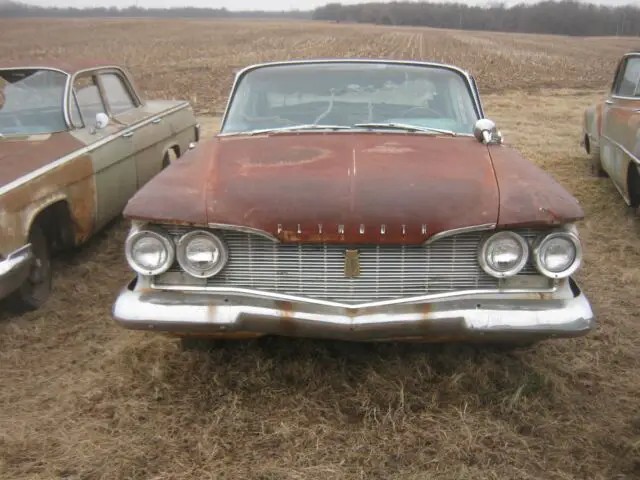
{"x": 351, "y": 263}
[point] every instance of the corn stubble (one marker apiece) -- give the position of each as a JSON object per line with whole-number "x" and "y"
{"x": 81, "y": 398}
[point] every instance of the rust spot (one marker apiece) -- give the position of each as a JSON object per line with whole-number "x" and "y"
{"x": 71, "y": 182}
{"x": 353, "y": 312}
{"x": 286, "y": 308}
{"x": 528, "y": 195}
{"x": 211, "y": 313}
{"x": 22, "y": 155}
{"x": 425, "y": 310}
{"x": 290, "y": 157}
{"x": 392, "y": 148}
{"x": 351, "y": 181}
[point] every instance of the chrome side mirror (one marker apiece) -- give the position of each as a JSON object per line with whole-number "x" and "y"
{"x": 485, "y": 132}
{"x": 102, "y": 120}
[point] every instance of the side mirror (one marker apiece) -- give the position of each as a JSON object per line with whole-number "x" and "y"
{"x": 485, "y": 132}
{"x": 102, "y": 120}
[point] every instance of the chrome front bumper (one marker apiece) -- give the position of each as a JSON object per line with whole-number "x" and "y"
{"x": 14, "y": 270}
{"x": 566, "y": 313}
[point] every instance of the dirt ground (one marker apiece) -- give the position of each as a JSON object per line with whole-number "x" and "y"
{"x": 81, "y": 398}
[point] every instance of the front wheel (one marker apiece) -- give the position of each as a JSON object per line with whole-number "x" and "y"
{"x": 36, "y": 289}
{"x": 594, "y": 157}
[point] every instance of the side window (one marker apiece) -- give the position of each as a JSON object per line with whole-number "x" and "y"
{"x": 117, "y": 93}
{"x": 89, "y": 101}
{"x": 627, "y": 85}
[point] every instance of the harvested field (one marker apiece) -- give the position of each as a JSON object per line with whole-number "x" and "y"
{"x": 81, "y": 398}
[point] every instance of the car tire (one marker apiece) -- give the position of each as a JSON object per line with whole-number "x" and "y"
{"x": 36, "y": 289}
{"x": 596, "y": 162}
{"x": 169, "y": 157}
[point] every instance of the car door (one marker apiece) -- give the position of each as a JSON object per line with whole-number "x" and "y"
{"x": 620, "y": 115}
{"x": 149, "y": 131}
{"x": 111, "y": 147}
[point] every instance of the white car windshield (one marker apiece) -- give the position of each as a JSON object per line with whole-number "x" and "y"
{"x": 342, "y": 95}
{"x": 31, "y": 101}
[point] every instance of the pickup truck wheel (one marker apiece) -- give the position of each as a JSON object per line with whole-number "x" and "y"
{"x": 36, "y": 289}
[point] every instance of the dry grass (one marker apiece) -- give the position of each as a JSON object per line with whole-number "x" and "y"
{"x": 81, "y": 398}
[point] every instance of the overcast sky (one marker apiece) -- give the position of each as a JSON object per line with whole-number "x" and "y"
{"x": 253, "y": 4}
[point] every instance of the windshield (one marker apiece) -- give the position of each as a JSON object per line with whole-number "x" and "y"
{"x": 31, "y": 102}
{"x": 348, "y": 94}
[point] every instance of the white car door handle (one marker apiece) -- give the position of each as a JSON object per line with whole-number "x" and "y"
{"x": 156, "y": 120}
{"x": 609, "y": 102}
{"x": 127, "y": 135}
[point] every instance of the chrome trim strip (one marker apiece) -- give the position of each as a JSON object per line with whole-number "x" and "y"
{"x": 240, "y": 228}
{"x": 631, "y": 155}
{"x": 241, "y": 73}
{"x": 15, "y": 259}
{"x": 14, "y": 269}
{"x": 620, "y": 97}
{"x": 327, "y": 303}
{"x": 84, "y": 150}
{"x": 336, "y": 132}
{"x": 457, "y": 231}
{"x": 568, "y": 314}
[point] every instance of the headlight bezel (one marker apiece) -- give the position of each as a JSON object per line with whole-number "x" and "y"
{"x": 485, "y": 264}
{"x": 577, "y": 261}
{"x": 185, "y": 265}
{"x": 157, "y": 233}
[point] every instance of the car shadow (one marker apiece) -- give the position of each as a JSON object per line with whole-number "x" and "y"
{"x": 427, "y": 375}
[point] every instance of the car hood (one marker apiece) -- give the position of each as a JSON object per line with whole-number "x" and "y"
{"x": 383, "y": 188}
{"x": 24, "y": 154}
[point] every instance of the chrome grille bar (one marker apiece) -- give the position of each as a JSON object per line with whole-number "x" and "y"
{"x": 317, "y": 271}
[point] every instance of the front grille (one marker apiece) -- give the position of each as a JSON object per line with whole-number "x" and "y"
{"x": 317, "y": 271}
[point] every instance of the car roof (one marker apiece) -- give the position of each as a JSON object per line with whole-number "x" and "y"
{"x": 356, "y": 60}
{"x": 66, "y": 66}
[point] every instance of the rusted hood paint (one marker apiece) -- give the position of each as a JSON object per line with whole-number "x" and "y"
{"x": 303, "y": 187}
{"x": 528, "y": 195}
{"x": 22, "y": 155}
{"x": 354, "y": 180}
{"x": 307, "y": 180}
{"x": 177, "y": 193}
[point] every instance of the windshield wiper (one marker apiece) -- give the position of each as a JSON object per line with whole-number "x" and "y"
{"x": 291, "y": 128}
{"x": 405, "y": 126}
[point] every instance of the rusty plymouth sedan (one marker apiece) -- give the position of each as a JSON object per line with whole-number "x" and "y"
{"x": 360, "y": 200}
{"x": 611, "y": 131}
{"x": 76, "y": 142}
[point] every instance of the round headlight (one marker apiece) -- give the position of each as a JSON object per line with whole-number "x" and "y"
{"x": 558, "y": 255}
{"x": 149, "y": 252}
{"x": 201, "y": 254}
{"x": 503, "y": 254}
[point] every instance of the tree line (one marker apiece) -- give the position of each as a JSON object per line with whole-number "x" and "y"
{"x": 17, "y": 10}
{"x": 567, "y": 17}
